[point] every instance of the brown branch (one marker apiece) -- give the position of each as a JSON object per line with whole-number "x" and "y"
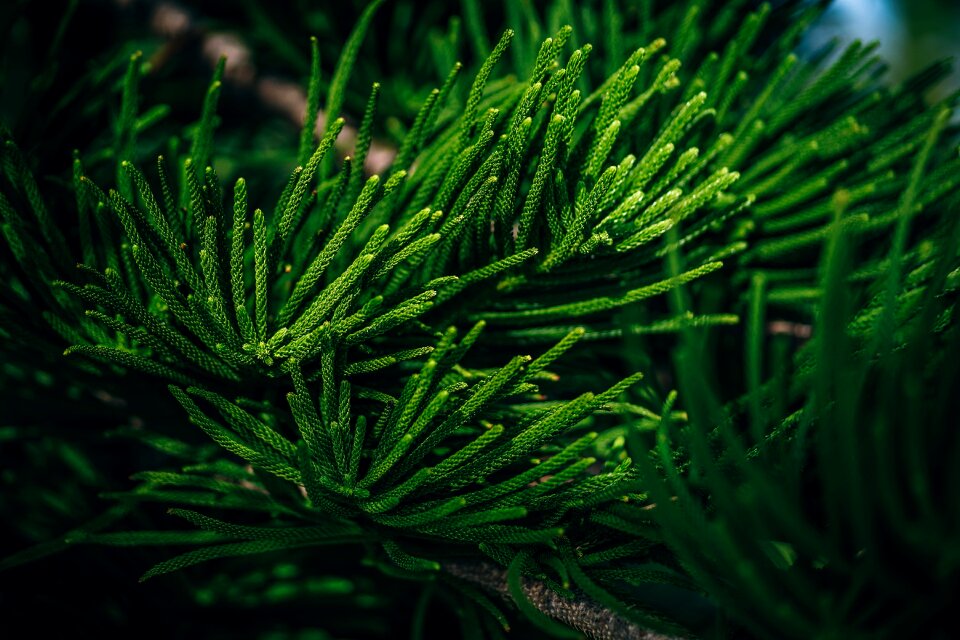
{"x": 582, "y": 614}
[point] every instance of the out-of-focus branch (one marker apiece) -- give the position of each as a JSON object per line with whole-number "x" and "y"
{"x": 176, "y": 25}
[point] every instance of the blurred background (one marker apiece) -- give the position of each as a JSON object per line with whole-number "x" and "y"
{"x": 912, "y": 33}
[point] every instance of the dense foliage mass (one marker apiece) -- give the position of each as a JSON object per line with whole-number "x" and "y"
{"x": 652, "y": 335}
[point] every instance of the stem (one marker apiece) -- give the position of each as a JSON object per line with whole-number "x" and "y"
{"x": 582, "y": 614}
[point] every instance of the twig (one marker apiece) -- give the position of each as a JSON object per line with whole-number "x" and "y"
{"x": 582, "y": 614}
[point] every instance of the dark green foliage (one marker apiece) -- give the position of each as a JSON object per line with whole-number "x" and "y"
{"x": 856, "y": 464}
{"x": 433, "y": 369}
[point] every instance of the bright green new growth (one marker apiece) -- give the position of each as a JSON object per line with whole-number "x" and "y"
{"x": 212, "y": 299}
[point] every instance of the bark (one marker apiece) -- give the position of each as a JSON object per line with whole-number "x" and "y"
{"x": 582, "y": 614}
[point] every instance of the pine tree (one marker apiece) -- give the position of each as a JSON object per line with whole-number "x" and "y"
{"x": 646, "y": 338}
